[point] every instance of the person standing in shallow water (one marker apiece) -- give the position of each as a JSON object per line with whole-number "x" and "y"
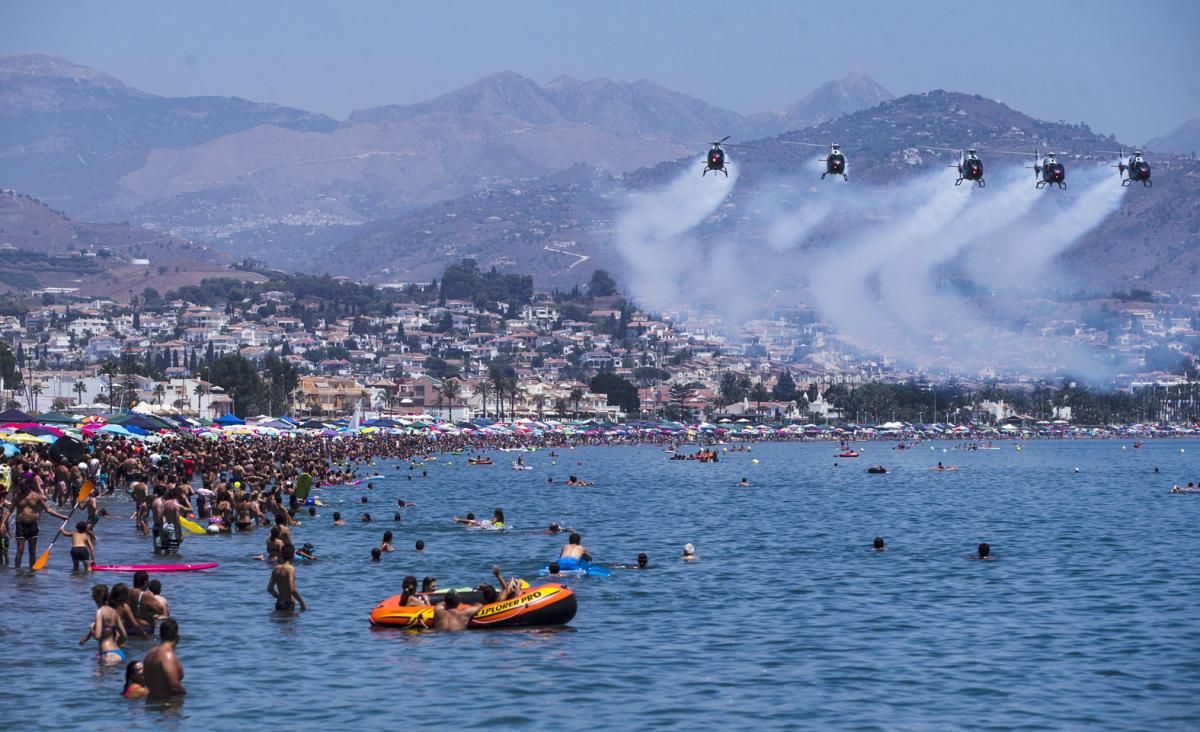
{"x": 282, "y": 585}
{"x": 163, "y": 671}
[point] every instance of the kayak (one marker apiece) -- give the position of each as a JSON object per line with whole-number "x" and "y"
{"x": 850, "y": 454}
{"x": 549, "y": 604}
{"x": 153, "y": 567}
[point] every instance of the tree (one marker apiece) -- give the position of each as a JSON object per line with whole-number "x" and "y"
{"x": 733, "y": 387}
{"x": 785, "y": 388}
{"x": 109, "y": 369}
{"x": 619, "y": 391}
{"x": 199, "y": 390}
{"x": 483, "y": 390}
{"x": 35, "y": 391}
{"x": 576, "y": 396}
{"x": 602, "y": 284}
{"x": 80, "y": 389}
{"x": 539, "y": 401}
{"x": 451, "y": 390}
{"x": 238, "y": 377}
{"x": 160, "y": 391}
{"x": 759, "y": 394}
{"x": 10, "y": 374}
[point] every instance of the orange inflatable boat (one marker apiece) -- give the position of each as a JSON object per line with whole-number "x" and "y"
{"x": 549, "y": 604}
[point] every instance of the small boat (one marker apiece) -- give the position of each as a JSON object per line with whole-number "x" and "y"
{"x": 848, "y": 454}
{"x": 479, "y": 461}
{"x": 549, "y": 604}
{"x": 877, "y": 469}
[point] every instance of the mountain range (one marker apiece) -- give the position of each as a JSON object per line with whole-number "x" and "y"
{"x": 267, "y": 180}
{"x": 1184, "y": 139}
{"x": 519, "y": 175}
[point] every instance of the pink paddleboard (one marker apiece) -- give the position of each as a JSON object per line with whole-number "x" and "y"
{"x": 153, "y": 567}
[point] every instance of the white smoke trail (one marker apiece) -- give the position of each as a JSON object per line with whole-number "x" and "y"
{"x": 875, "y": 278}
{"x": 1022, "y": 256}
{"x": 650, "y": 236}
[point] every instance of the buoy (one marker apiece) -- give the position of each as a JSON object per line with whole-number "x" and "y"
{"x": 754, "y": 461}
{"x": 1124, "y": 447}
{"x": 554, "y": 462}
{"x": 1181, "y": 449}
{"x": 1076, "y": 469}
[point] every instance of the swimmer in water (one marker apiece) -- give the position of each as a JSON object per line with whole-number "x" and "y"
{"x": 689, "y": 553}
{"x": 878, "y": 544}
{"x": 135, "y": 681}
{"x": 984, "y": 552}
{"x": 282, "y": 585}
{"x": 420, "y": 545}
{"x": 574, "y": 549}
{"x": 643, "y": 562}
{"x": 376, "y": 554}
{"x": 337, "y": 519}
{"x": 743, "y": 483}
{"x": 470, "y": 520}
{"x": 386, "y": 544}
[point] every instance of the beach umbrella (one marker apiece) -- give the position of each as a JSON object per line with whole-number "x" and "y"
{"x": 19, "y": 438}
{"x": 38, "y": 430}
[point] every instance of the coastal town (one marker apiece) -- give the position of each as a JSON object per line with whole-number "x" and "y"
{"x": 484, "y": 345}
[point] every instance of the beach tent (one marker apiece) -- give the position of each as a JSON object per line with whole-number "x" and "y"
{"x": 228, "y": 419}
{"x": 15, "y": 415}
{"x": 57, "y": 418}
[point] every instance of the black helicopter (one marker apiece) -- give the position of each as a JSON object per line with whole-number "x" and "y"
{"x": 716, "y": 156}
{"x": 835, "y": 162}
{"x": 1135, "y": 169}
{"x": 1051, "y": 172}
{"x": 970, "y": 167}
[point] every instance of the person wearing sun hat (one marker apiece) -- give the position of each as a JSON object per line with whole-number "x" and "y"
{"x": 689, "y": 552}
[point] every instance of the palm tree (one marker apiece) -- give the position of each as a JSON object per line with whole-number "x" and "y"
{"x": 560, "y": 407}
{"x": 484, "y": 391}
{"x": 510, "y": 385}
{"x": 35, "y": 390}
{"x": 109, "y": 369}
{"x": 160, "y": 391}
{"x": 199, "y": 390}
{"x": 80, "y": 389}
{"x": 498, "y": 383}
{"x": 576, "y": 397}
{"x": 539, "y": 401}
{"x": 451, "y": 390}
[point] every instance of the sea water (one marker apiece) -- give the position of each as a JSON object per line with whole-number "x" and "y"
{"x": 1087, "y": 617}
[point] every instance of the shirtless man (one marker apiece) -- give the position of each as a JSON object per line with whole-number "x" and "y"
{"x": 164, "y": 672}
{"x": 172, "y": 530}
{"x": 451, "y": 614}
{"x": 282, "y": 585}
{"x": 141, "y": 504}
{"x": 28, "y": 510}
{"x": 156, "y": 512}
{"x": 574, "y": 549}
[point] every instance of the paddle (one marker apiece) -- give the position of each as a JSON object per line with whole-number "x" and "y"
{"x": 84, "y": 491}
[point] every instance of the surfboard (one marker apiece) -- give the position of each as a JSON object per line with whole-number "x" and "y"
{"x": 153, "y": 567}
{"x": 303, "y": 486}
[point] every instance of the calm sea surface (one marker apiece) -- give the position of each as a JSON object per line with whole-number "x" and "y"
{"x": 1087, "y": 619}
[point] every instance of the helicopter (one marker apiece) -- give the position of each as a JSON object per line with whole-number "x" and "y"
{"x": 716, "y": 156}
{"x": 835, "y": 162}
{"x": 970, "y": 167}
{"x": 1133, "y": 170}
{"x": 1051, "y": 172}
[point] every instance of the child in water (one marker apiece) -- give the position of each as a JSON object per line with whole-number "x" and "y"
{"x": 82, "y": 547}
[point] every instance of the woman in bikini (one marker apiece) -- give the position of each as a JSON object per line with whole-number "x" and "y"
{"x": 106, "y": 628}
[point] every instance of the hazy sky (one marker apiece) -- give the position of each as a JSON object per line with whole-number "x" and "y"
{"x": 1132, "y": 68}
